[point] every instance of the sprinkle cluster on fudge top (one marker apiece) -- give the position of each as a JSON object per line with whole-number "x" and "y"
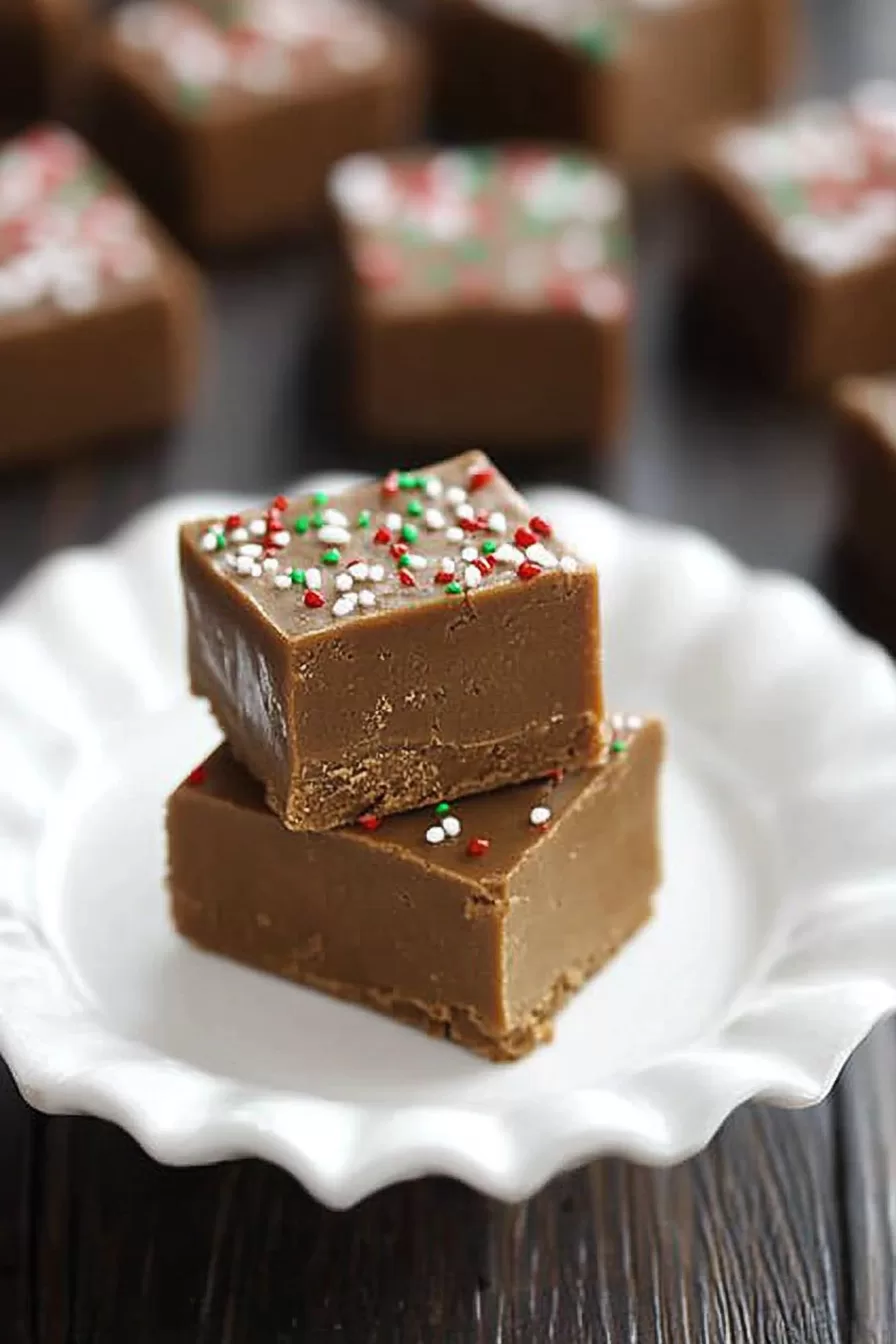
{"x": 66, "y": 232}
{"x": 523, "y": 226}
{"x": 825, "y": 175}
{"x": 257, "y": 47}
{"x": 443, "y": 534}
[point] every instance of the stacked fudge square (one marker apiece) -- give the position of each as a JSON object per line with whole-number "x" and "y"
{"x": 420, "y": 805}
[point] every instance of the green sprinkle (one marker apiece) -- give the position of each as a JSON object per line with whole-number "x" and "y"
{"x": 404, "y": 561}
{"x": 297, "y": 575}
{"x": 597, "y": 41}
{"x": 415, "y": 508}
{"x": 618, "y": 746}
{"x": 301, "y": 525}
{"x": 220, "y": 541}
{"x": 363, "y": 519}
{"x": 442, "y": 809}
{"x": 788, "y": 198}
{"x": 330, "y": 557}
{"x": 317, "y": 519}
{"x": 192, "y": 97}
{"x": 453, "y": 587}
{"x": 473, "y": 249}
{"x": 409, "y": 532}
{"x": 407, "y": 481}
{"x": 489, "y": 547}
{"x": 319, "y": 498}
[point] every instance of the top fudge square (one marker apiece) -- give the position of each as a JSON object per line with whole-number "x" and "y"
{"x": 411, "y": 641}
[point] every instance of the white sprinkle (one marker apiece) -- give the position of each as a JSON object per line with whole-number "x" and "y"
{"x": 540, "y": 555}
{"x": 469, "y": 553}
{"x": 256, "y": 571}
{"x": 244, "y": 564}
{"x": 455, "y": 495}
{"x": 209, "y": 541}
{"x": 376, "y": 573}
{"x": 446, "y": 564}
{"x": 252, "y": 549}
{"x": 367, "y": 598}
{"x": 435, "y": 519}
{"x": 569, "y": 564}
{"x": 230, "y": 559}
{"x": 451, "y": 826}
{"x": 509, "y": 555}
{"x": 497, "y": 522}
{"x": 433, "y": 487}
{"x": 472, "y": 577}
{"x": 270, "y": 565}
{"x": 334, "y": 518}
{"x": 334, "y": 536}
{"x": 282, "y": 581}
{"x": 417, "y": 561}
{"x": 344, "y": 583}
{"x": 344, "y": 606}
{"x": 257, "y": 527}
{"x": 393, "y": 521}
{"x": 540, "y": 816}
{"x": 280, "y": 538}
{"x": 238, "y": 534}
{"x": 454, "y": 534}
{"x": 464, "y": 511}
{"x": 435, "y": 835}
{"x": 312, "y": 578}
{"x": 358, "y": 570}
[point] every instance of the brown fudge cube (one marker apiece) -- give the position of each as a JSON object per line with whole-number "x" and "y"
{"x": 227, "y": 117}
{"x": 411, "y": 640}
{"x": 795, "y": 236}
{"x": 476, "y": 924}
{"x": 99, "y": 313}
{"x": 631, "y": 79}
{"x": 36, "y": 41}
{"x": 866, "y": 444}
{"x": 488, "y": 295}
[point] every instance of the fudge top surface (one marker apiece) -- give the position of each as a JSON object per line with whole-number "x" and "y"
{"x": 822, "y": 177}
{"x": 510, "y": 821}
{"x": 229, "y": 54}
{"x": 70, "y": 237}
{"x": 528, "y": 227}
{"x": 450, "y": 534}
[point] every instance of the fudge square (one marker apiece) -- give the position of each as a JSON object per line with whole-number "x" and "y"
{"x": 866, "y": 446}
{"x": 475, "y": 922}
{"x": 632, "y": 79}
{"x": 36, "y": 38}
{"x": 488, "y": 295}
{"x": 407, "y": 642}
{"x": 99, "y": 313}
{"x": 227, "y": 114}
{"x": 795, "y": 235}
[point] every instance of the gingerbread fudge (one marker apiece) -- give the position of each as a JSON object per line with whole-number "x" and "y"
{"x": 475, "y": 921}
{"x": 487, "y": 296}
{"x": 38, "y": 40}
{"x": 406, "y": 642}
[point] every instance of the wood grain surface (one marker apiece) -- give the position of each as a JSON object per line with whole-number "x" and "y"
{"x": 782, "y": 1232}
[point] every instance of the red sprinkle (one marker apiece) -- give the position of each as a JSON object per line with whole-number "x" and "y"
{"x": 234, "y": 520}
{"x": 528, "y": 570}
{"x": 443, "y": 576}
{"x": 382, "y": 535}
{"x": 397, "y": 550}
{"x": 390, "y": 484}
{"x": 555, "y": 776}
{"x": 523, "y": 538}
{"x": 313, "y": 598}
{"x": 539, "y": 525}
{"x": 196, "y": 776}
{"x": 478, "y": 846}
{"x": 479, "y": 477}
{"x": 470, "y": 524}
{"x": 406, "y": 578}
{"x": 369, "y": 821}
{"x": 279, "y": 503}
{"x": 482, "y": 564}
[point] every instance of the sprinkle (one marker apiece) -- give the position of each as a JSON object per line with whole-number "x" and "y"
{"x": 297, "y": 576}
{"x": 363, "y": 518}
{"x": 317, "y": 519}
{"x": 256, "y": 571}
{"x": 569, "y": 564}
{"x": 406, "y": 578}
{"x": 409, "y": 533}
{"x": 270, "y": 565}
{"x": 404, "y": 560}
{"x": 282, "y": 580}
{"x": 258, "y": 527}
{"x": 232, "y": 521}
{"x": 539, "y": 526}
{"x": 471, "y": 524}
{"x": 366, "y": 598}
{"x": 479, "y": 477}
{"x": 455, "y": 495}
{"x": 382, "y": 535}
{"x": 497, "y": 522}
{"x": 485, "y": 564}
{"x": 446, "y": 564}
{"x": 478, "y": 846}
{"x": 540, "y": 816}
{"x": 540, "y": 555}
{"x": 320, "y": 498}
{"x": 377, "y": 573}
{"x": 454, "y": 534}
{"x": 390, "y": 484}
{"x": 358, "y": 570}
{"x": 433, "y": 487}
{"x": 434, "y": 519}
{"x": 417, "y": 561}
{"x": 393, "y": 521}
{"x": 397, "y": 550}
{"x": 369, "y": 822}
{"x": 469, "y": 553}
{"x": 528, "y": 570}
{"x": 344, "y": 606}
{"x": 618, "y": 745}
{"x": 344, "y": 583}
{"x": 442, "y": 809}
{"x": 489, "y": 547}
{"x": 509, "y": 555}
{"x": 238, "y": 535}
{"x": 443, "y": 576}
{"x": 244, "y": 564}
{"x": 209, "y": 541}
{"x": 453, "y": 587}
{"x": 313, "y": 578}
{"x": 333, "y": 518}
{"x": 196, "y": 776}
{"x": 279, "y": 538}
{"x": 466, "y": 511}
{"x": 406, "y": 481}
{"x": 330, "y": 557}
{"x": 523, "y": 537}
{"x": 556, "y": 776}
{"x": 472, "y": 577}
{"x": 415, "y": 508}
{"x": 279, "y": 503}
{"x": 301, "y": 525}
{"x": 451, "y": 827}
{"x": 334, "y": 536}
{"x": 313, "y": 598}
{"x": 435, "y": 835}
{"x": 252, "y": 549}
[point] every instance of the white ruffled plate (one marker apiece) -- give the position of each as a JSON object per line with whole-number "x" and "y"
{"x": 773, "y": 952}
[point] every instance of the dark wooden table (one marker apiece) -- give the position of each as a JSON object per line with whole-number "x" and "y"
{"x": 784, "y": 1230}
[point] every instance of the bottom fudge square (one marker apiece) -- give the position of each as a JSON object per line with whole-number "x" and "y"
{"x": 475, "y": 921}
{"x": 795, "y": 236}
{"x": 99, "y": 313}
{"x": 487, "y": 295}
